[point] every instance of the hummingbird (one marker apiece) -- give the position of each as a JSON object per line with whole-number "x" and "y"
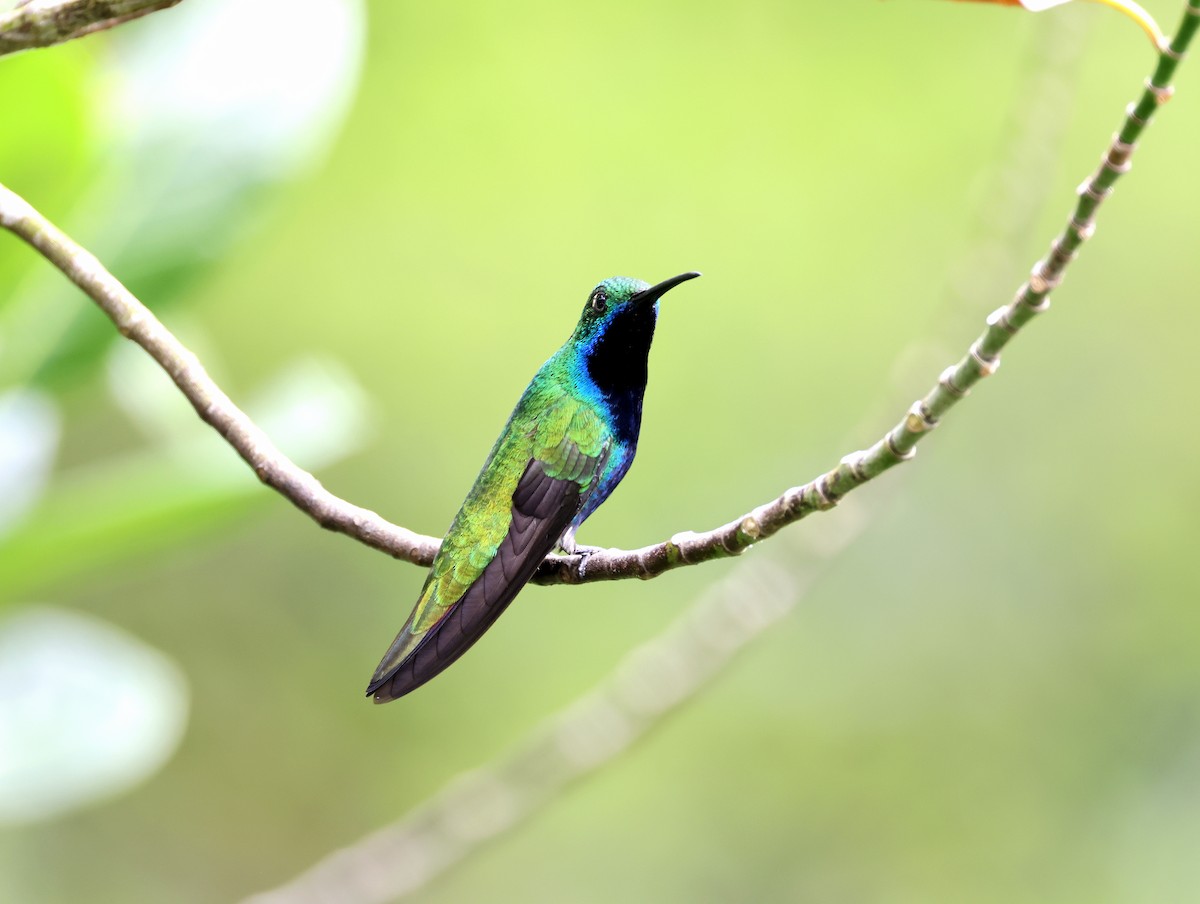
{"x": 566, "y": 446}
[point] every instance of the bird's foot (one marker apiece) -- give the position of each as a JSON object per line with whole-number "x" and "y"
{"x": 580, "y": 549}
{"x": 568, "y": 545}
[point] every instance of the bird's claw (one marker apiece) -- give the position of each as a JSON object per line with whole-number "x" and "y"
{"x": 567, "y": 544}
{"x": 571, "y": 548}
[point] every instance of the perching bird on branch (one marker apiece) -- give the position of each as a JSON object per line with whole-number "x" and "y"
{"x": 565, "y": 447}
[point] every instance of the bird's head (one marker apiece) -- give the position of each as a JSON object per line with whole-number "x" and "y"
{"x": 625, "y": 303}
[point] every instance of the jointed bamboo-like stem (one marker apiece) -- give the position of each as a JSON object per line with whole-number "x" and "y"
{"x": 571, "y": 740}
{"x": 477, "y": 806}
{"x": 136, "y": 322}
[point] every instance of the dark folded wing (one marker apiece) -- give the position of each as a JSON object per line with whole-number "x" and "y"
{"x": 542, "y": 508}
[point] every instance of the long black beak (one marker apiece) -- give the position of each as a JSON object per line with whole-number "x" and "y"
{"x": 654, "y": 293}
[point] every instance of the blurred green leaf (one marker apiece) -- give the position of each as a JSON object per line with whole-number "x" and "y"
{"x": 49, "y": 155}
{"x": 187, "y": 484}
{"x": 990, "y": 698}
{"x": 29, "y": 433}
{"x": 202, "y": 126}
{"x": 87, "y": 712}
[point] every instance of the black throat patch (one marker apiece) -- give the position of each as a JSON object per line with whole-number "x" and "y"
{"x": 617, "y": 365}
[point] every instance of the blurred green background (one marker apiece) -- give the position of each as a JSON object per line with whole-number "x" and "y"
{"x": 375, "y": 222}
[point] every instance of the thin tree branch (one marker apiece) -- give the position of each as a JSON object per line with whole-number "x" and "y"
{"x": 671, "y": 669}
{"x": 954, "y": 384}
{"x": 136, "y": 322}
{"x": 276, "y": 470}
{"x": 273, "y": 468}
{"x": 42, "y": 23}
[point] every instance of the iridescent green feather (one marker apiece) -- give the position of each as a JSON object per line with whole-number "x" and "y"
{"x": 566, "y": 435}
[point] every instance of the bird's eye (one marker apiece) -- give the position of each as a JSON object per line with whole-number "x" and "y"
{"x": 599, "y": 300}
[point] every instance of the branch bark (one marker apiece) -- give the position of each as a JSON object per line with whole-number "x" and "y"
{"x": 476, "y": 807}
{"x": 42, "y": 23}
{"x": 572, "y": 743}
{"x": 136, "y": 322}
{"x": 898, "y": 445}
